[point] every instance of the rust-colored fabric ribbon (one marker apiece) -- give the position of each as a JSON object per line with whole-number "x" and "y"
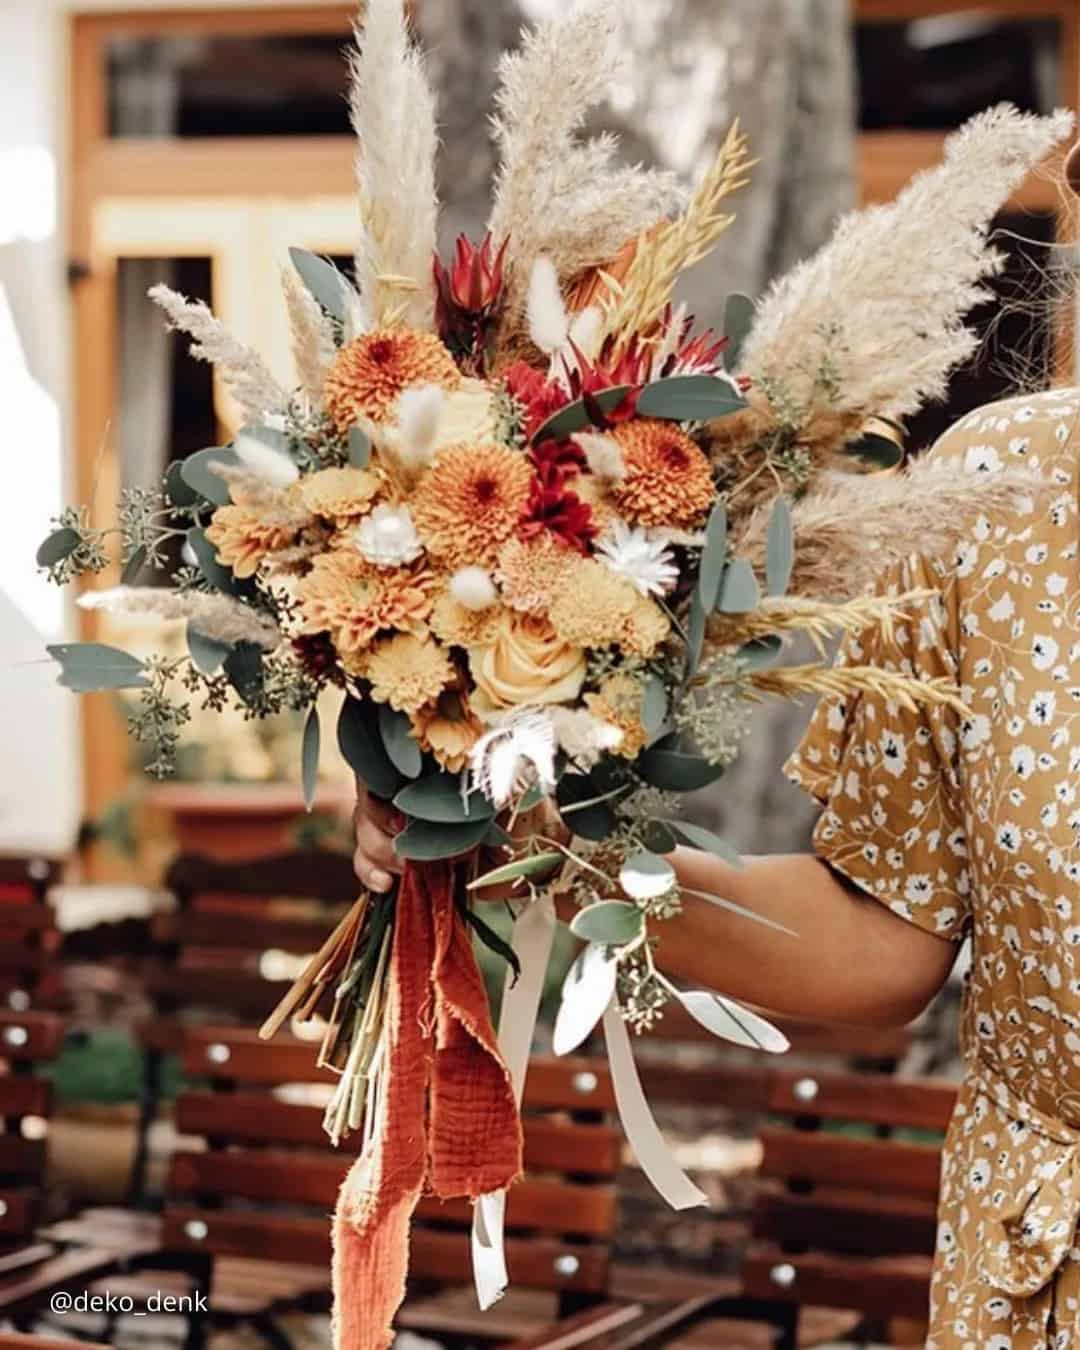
{"x": 448, "y": 1122}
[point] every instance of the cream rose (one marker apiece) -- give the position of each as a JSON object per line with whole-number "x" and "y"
{"x": 526, "y": 664}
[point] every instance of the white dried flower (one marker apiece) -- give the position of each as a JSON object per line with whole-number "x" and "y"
{"x": 549, "y": 325}
{"x": 603, "y": 454}
{"x": 640, "y": 556}
{"x": 518, "y": 753}
{"x": 388, "y": 538}
{"x": 582, "y": 735}
{"x": 419, "y": 410}
{"x": 473, "y": 588}
{"x": 272, "y": 467}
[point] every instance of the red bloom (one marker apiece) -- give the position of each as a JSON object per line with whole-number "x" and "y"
{"x": 468, "y": 296}
{"x": 538, "y": 397}
{"x": 553, "y": 507}
{"x": 567, "y": 456}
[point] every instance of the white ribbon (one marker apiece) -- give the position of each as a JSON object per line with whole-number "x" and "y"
{"x": 532, "y": 937}
{"x": 654, "y": 1157}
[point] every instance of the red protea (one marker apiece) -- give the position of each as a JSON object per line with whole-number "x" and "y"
{"x": 468, "y": 297}
{"x": 553, "y": 507}
{"x": 537, "y": 397}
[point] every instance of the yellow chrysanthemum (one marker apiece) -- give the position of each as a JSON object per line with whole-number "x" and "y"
{"x": 646, "y": 627}
{"x": 668, "y": 479}
{"x": 340, "y": 495}
{"x": 407, "y": 671}
{"x": 458, "y": 626}
{"x": 448, "y": 728}
{"x": 470, "y": 503}
{"x": 371, "y": 373}
{"x": 241, "y": 540}
{"x": 593, "y": 606}
{"x": 619, "y": 702}
{"x": 531, "y": 571}
{"x": 353, "y": 600}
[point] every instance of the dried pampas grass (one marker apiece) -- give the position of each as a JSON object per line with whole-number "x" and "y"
{"x": 834, "y": 560}
{"x": 883, "y": 303}
{"x": 215, "y": 616}
{"x": 242, "y": 368}
{"x": 312, "y": 338}
{"x": 393, "y": 113}
{"x": 819, "y": 620}
{"x": 554, "y": 194}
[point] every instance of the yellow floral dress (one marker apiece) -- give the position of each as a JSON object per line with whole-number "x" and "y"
{"x": 973, "y": 827}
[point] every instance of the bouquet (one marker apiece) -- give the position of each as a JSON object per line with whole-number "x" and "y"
{"x": 548, "y": 541}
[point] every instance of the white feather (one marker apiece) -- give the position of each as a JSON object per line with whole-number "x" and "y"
{"x": 549, "y": 326}
{"x": 270, "y": 465}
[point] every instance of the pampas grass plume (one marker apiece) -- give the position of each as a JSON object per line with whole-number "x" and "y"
{"x": 271, "y": 466}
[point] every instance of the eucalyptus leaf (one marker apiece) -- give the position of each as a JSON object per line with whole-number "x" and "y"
{"x": 713, "y": 557}
{"x": 739, "y": 311}
{"x": 587, "y": 991}
{"x": 219, "y": 576}
{"x": 363, "y": 749}
{"x": 133, "y": 566}
{"x": 654, "y": 705}
{"x": 739, "y": 590}
{"x": 497, "y": 837}
{"x": 879, "y": 451}
{"x": 359, "y": 448}
{"x": 207, "y": 654}
{"x": 323, "y": 280}
{"x": 57, "y": 546}
{"x": 494, "y": 941}
{"x": 698, "y": 837}
{"x": 195, "y": 472}
{"x": 177, "y": 491}
{"x": 731, "y": 1021}
{"x": 309, "y": 757}
{"x": 689, "y": 398}
{"x": 438, "y": 798}
{"x": 675, "y": 770}
{"x": 595, "y": 821}
{"x": 779, "y": 548}
{"x": 540, "y": 864}
{"x": 611, "y": 922}
{"x": 87, "y": 667}
{"x": 244, "y": 668}
{"x": 657, "y": 836}
{"x": 271, "y": 437}
{"x": 575, "y": 417}
{"x": 401, "y": 745}
{"x": 695, "y": 635}
{"x": 426, "y": 841}
{"x": 646, "y": 876}
{"x": 740, "y": 910}
{"x": 760, "y": 653}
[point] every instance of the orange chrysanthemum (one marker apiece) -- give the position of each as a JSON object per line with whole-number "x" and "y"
{"x": 371, "y": 373}
{"x": 531, "y": 571}
{"x": 241, "y": 540}
{"x": 340, "y": 495}
{"x": 620, "y": 702}
{"x": 596, "y": 607}
{"x": 668, "y": 480}
{"x": 407, "y": 671}
{"x": 470, "y": 503}
{"x": 353, "y": 600}
{"x": 448, "y": 728}
{"x": 458, "y": 626}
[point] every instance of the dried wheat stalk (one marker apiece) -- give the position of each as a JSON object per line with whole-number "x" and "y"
{"x": 908, "y": 692}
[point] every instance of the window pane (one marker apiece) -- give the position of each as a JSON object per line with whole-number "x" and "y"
{"x": 227, "y": 86}
{"x": 934, "y": 73}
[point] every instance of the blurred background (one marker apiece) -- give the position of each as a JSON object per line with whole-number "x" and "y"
{"x": 194, "y": 142}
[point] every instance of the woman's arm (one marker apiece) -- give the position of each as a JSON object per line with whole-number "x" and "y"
{"x": 851, "y": 960}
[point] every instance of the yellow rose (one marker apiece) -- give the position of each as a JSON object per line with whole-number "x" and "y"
{"x": 528, "y": 663}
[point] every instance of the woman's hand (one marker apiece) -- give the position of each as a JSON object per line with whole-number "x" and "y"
{"x": 376, "y": 824}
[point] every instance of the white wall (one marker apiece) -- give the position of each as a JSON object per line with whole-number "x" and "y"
{"x": 40, "y": 765}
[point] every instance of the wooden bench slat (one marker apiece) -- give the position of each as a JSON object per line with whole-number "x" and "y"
{"x": 20, "y": 1211}
{"x": 30, "y": 1035}
{"x": 882, "y": 1286}
{"x": 838, "y": 1042}
{"x": 867, "y": 1225}
{"x": 21, "y": 1158}
{"x": 924, "y": 1104}
{"x": 216, "y": 928}
{"x": 25, "y": 1095}
{"x": 842, "y": 1161}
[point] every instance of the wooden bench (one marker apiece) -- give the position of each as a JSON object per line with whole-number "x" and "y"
{"x": 27, "y": 935}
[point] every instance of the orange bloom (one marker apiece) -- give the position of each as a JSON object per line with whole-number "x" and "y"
{"x": 470, "y": 503}
{"x": 370, "y": 374}
{"x": 241, "y": 540}
{"x": 459, "y": 626}
{"x": 340, "y": 494}
{"x": 448, "y": 728}
{"x": 668, "y": 479}
{"x": 530, "y": 571}
{"x": 620, "y": 702}
{"x": 353, "y": 600}
{"x": 407, "y": 671}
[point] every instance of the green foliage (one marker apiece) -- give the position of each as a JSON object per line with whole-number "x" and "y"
{"x": 689, "y": 398}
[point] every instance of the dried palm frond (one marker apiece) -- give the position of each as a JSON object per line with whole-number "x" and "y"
{"x": 215, "y": 616}
{"x": 393, "y": 113}
{"x": 928, "y": 510}
{"x": 884, "y": 301}
{"x": 312, "y": 337}
{"x": 668, "y": 250}
{"x": 819, "y": 620}
{"x": 555, "y": 195}
{"x": 242, "y": 368}
{"x": 906, "y": 690}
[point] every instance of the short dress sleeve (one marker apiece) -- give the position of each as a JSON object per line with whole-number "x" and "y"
{"x": 888, "y": 777}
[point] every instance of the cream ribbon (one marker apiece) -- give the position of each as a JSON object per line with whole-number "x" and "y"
{"x": 534, "y": 932}
{"x": 654, "y": 1157}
